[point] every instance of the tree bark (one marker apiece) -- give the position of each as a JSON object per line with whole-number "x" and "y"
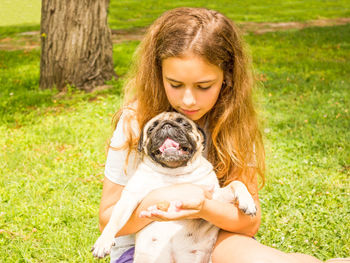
{"x": 76, "y": 44}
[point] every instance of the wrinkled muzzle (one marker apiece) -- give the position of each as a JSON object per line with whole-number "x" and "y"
{"x": 171, "y": 145}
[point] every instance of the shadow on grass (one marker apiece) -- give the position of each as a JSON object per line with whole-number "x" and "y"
{"x": 22, "y": 101}
{"x": 9, "y": 31}
{"x": 309, "y": 58}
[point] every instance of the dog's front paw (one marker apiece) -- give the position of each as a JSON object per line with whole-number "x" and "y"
{"x": 103, "y": 246}
{"x": 245, "y": 201}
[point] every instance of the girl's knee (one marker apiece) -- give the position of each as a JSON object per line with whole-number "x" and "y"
{"x": 238, "y": 258}
{"x": 234, "y": 248}
{"x": 241, "y": 249}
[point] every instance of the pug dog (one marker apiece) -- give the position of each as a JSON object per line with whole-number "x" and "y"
{"x": 171, "y": 148}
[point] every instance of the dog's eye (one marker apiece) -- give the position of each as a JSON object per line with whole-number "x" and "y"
{"x": 182, "y": 121}
{"x": 150, "y": 129}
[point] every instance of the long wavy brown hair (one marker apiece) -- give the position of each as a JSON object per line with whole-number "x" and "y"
{"x": 236, "y": 151}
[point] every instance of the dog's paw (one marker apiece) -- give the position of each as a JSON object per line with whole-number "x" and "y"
{"x": 237, "y": 192}
{"x": 245, "y": 202}
{"x": 103, "y": 246}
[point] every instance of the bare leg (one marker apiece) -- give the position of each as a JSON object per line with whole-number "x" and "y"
{"x": 304, "y": 258}
{"x": 338, "y": 260}
{"x": 234, "y": 248}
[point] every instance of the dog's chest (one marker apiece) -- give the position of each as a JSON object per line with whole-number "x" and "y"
{"x": 148, "y": 178}
{"x": 185, "y": 241}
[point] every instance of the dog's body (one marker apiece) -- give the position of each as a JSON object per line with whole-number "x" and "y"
{"x": 182, "y": 241}
{"x": 170, "y": 241}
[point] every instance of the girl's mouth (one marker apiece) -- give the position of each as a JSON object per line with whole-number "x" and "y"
{"x": 189, "y": 112}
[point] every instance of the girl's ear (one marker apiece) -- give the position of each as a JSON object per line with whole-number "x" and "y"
{"x": 140, "y": 144}
{"x": 204, "y": 142}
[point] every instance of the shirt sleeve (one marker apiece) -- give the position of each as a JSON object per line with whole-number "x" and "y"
{"x": 253, "y": 162}
{"x": 115, "y": 169}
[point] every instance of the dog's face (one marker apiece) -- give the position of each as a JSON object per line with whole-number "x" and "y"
{"x": 171, "y": 140}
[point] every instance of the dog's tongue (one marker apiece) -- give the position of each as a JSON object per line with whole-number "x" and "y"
{"x": 168, "y": 144}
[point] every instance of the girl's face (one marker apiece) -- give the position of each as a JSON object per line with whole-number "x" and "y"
{"x": 192, "y": 85}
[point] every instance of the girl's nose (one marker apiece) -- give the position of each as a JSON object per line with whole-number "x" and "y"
{"x": 188, "y": 98}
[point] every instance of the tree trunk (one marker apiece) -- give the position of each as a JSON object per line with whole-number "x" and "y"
{"x": 76, "y": 44}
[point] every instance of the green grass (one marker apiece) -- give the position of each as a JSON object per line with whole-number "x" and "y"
{"x": 306, "y": 201}
{"x": 19, "y": 12}
{"x": 21, "y": 102}
{"x": 133, "y": 13}
{"x": 19, "y": 16}
{"x": 24, "y": 15}
{"x": 52, "y": 149}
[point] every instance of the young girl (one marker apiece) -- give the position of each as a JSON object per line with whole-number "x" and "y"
{"x": 192, "y": 61}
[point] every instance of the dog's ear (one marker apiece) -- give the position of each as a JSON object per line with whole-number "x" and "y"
{"x": 140, "y": 144}
{"x": 204, "y": 142}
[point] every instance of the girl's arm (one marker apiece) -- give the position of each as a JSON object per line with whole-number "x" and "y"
{"x": 224, "y": 215}
{"x": 111, "y": 193}
{"x": 195, "y": 204}
{"x": 193, "y": 195}
{"x": 228, "y": 217}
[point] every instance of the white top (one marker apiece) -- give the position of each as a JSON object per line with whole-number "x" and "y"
{"x": 115, "y": 164}
{"x": 115, "y": 172}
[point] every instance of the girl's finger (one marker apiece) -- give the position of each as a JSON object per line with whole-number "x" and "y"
{"x": 191, "y": 204}
{"x": 151, "y": 208}
{"x": 159, "y": 215}
{"x": 208, "y": 191}
{"x": 175, "y": 215}
{"x": 144, "y": 214}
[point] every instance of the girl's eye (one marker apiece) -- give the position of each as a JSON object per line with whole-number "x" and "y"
{"x": 175, "y": 86}
{"x": 208, "y": 87}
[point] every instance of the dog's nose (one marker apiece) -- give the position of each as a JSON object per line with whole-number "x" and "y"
{"x": 167, "y": 126}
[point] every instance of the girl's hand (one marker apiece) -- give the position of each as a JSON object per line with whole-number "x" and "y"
{"x": 185, "y": 201}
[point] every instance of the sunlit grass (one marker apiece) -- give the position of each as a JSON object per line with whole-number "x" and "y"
{"x": 306, "y": 100}
{"x": 24, "y": 15}
{"x": 133, "y": 13}
{"x": 20, "y": 12}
